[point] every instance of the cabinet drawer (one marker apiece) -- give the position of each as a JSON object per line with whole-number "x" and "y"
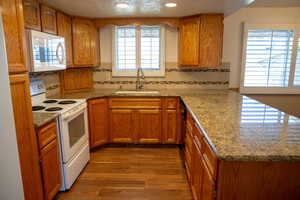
{"x": 135, "y": 103}
{"x": 188, "y": 142}
{"x": 170, "y": 103}
{"x": 210, "y": 158}
{"x": 46, "y": 134}
{"x": 198, "y": 137}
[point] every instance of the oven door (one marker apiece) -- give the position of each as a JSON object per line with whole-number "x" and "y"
{"x": 74, "y": 132}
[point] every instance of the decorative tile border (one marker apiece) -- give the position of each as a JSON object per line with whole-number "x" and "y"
{"x": 177, "y": 70}
{"x": 39, "y": 74}
{"x": 164, "y": 82}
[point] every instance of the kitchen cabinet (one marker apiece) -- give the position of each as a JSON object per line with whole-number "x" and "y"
{"x": 122, "y": 125}
{"x": 211, "y": 40}
{"x": 189, "y": 41}
{"x": 150, "y": 126}
{"x": 32, "y": 16}
{"x": 72, "y": 80}
{"x": 26, "y": 138}
{"x": 48, "y": 19}
{"x": 49, "y": 159}
{"x": 64, "y": 29}
{"x": 197, "y": 172}
{"x": 201, "y": 40}
{"x": 13, "y": 24}
{"x": 85, "y": 43}
{"x": 98, "y": 121}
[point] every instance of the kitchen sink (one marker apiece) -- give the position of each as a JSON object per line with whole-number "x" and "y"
{"x": 137, "y": 92}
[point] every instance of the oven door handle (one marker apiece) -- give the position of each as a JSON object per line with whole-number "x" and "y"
{"x": 74, "y": 114}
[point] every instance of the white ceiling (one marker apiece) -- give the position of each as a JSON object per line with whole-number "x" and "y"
{"x": 284, "y": 3}
{"x": 138, "y": 8}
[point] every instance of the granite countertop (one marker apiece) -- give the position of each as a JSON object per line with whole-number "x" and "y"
{"x": 40, "y": 119}
{"x": 237, "y": 127}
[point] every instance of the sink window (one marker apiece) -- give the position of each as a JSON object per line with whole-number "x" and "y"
{"x": 138, "y": 47}
{"x": 269, "y": 59}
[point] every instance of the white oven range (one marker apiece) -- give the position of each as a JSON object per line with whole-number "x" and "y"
{"x": 72, "y": 130}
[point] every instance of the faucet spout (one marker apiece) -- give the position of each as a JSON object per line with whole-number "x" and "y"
{"x": 140, "y": 75}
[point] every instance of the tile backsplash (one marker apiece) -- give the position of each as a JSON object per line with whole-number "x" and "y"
{"x": 175, "y": 78}
{"x": 51, "y": 80}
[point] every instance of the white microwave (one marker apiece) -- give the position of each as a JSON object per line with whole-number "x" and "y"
{"x": 46, "y": 52}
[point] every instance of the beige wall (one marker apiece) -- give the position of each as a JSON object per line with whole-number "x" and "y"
{"x": 233, "y": 31}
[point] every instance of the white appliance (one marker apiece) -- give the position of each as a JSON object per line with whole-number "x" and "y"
{"x": 72, "y": 129}
{"x": 11, "y": 186}
{"x": 46, "y": 52}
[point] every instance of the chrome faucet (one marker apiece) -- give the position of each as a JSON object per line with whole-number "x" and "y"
{"x": 139, "y": 75}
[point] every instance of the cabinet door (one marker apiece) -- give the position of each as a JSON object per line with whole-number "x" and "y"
{"x": 208, "y": 184}
{"x": 171, "y": 127}
{"x": 64, "y": 29}
{"x": 122, "y": 126}
{"x": 189, "y": 42}
{"x": 72, "y": 80}
{"x": 95, "y": 44}
{"x": 50, "y": 164}
{"x": 48, "y": 16}
{"x": 197, "y": 172}
{"x": 26, "y": 138}
{"x": 13, "y": 24}
{"x": 83, "y": 46}
{"x": 211, "y": 40}
{"x": 98, "y": 122}
{"x": 32, "y": 15}
{"x": 150, "y": 126}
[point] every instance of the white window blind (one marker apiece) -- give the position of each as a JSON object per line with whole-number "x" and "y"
{"x": 125, "y": 48}
{"x": 138, "y": 47}
{"x": 150, "y": 47}
{"x": 297, "y": 71}
{"x": 269, "y": 59}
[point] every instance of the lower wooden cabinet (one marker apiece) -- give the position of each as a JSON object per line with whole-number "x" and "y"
{"x": 134, "y": 120}
{"x": 49, "y": 159}
{"x": 149, "y": 126}
{"x": 197, "y": 172}
{"x": 98, "y": 122}
{"x": 50, "y": 165}
{"x": 122, "y": 125}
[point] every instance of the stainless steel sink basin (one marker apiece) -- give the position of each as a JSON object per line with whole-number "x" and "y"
{"x": 139, "y": 92}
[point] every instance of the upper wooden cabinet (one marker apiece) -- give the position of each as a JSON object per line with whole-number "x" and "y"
{"x": 32, "y": 14}
{"x": 211, "y": 40}
{"x": 14, "y": 32}
{"x": 64, "y": 29}
{"x": 85, "y": 43}
{"x": 48, "y": 17}
{"x": 201, "y": 40}
{"x": 26, "y": 138}
{"x": 189, "y": 41}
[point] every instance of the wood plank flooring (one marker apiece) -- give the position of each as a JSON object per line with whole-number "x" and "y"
{"x": 132, "y": 173}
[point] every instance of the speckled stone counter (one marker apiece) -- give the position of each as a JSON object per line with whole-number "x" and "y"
{"x": 40, "y": 119}
{"x": 237, "y": 127}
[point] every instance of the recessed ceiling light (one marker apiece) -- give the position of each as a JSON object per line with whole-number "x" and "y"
{"x": 122, "y": 5}
{"x": 170, "y": 5}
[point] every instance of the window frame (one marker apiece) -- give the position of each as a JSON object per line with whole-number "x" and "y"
{"x": 291, "y": 89}
{"x": 132, "y": 73}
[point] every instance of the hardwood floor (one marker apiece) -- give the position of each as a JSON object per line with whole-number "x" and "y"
{"x": 132, "y": 173}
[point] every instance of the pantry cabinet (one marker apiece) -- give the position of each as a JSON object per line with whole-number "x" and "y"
{"x": 64, "y": 29}
{"x": 26, "y": 138}
{"x": 48, "y": 18}
{"x": 32, "y": 14}
{"x": 13, "y": 24}
{"x": 49, "y": 159}
{"x": 201, "y": 40}
{"x": 85, "y": 43}
{"x": 98, "y": 121}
